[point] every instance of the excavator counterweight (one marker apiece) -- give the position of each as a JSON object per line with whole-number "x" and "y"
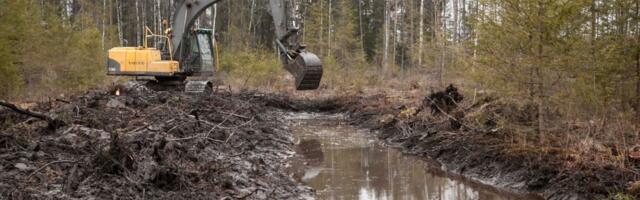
{"x": 190, "y": 53}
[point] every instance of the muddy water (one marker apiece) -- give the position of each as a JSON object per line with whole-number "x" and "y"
{"x": 343, "y": 162}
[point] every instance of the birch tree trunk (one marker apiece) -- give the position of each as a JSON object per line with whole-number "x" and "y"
{"x": 253, "y": 5}
{"x": 443, "y": 38}
{"x": 157, "y": 19}
{"x": 68, "y": 10}
{"x": 138, "y": 29}
{"x": 213, "y": 20}
{"x": 329, "y": 29}
{"x": 394, "y": 32}
{"x": 119, "y": 16}
{"x": 360, "y": 25}
{"x": 476, "y": 11}
{"x": 171, "y": 8}
{"x": 435, "y": 26}
{"x": 104, "y": 19}
{"x": 637, "y": 27}
{"x": 385, "y": 51}
{"x": 594, "y": 22}
{"x": 421, "y": 35}
{"x": 463, "y": 19}
{"x": 321, "y": 22}
{"x": 456, "y": 21}
{"x": 538, "y": 73}
{"x": 144, "y": 18}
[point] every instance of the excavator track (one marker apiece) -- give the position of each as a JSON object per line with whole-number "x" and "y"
{"x": 307, "y": 70}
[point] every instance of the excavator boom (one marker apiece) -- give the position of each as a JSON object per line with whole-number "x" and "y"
{"x": 183, "y": 19}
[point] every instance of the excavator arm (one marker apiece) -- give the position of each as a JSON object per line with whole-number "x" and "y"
{"x": 183, "y": 20}
{"x": 304, "y": 66}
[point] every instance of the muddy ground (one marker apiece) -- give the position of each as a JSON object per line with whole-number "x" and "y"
{"x": 150, "y": 144}
{"x": 146, "y": 144}
{"x": 481, "y": 152}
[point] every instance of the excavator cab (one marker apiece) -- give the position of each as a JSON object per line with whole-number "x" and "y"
{"x": 198, "y": 56}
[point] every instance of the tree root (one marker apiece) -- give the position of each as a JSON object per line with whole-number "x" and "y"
{"x": 53, "y": 123}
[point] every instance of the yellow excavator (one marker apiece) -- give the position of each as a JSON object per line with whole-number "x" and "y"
{"x": 188, "y": 52}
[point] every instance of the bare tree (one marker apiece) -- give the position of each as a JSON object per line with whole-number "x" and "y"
{"x": 456, "y": 21}
{"x": 213, "y": 19}
{"x": 385, "y": 52}
{"x": 360, "y": 25}
{"x": 119, "y": 19}
{"x": 138, "y": 28}
{"x": 443, "y": 40}
{"x": 253, "y": 6}
{"x": 421, "y": 27}
{"x": 329, "y": 29}
{"x": 104, "y": 19}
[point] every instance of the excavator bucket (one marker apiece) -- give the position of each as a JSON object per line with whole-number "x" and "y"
{"x": 307, "y": 71}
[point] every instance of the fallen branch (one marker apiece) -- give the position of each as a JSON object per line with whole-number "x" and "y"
{"x": 51, "y": 163}
{"x": 199, "y": 136}
{"x": 63, "y": 101}
{"x": 235, "y": 115}
{"x": 53, "y": 123}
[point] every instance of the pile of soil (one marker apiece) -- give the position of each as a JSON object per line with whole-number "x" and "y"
{"x": 480, "y": 151}
{"x": 147, "y": 144}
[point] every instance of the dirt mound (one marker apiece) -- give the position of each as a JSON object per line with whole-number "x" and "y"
{"x": 147, "y": 144}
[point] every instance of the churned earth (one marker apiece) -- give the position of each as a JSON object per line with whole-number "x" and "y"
{"x": 141, "y": 142}
{"x": 147, "y": 144}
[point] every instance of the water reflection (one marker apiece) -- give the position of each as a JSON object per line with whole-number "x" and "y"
{"x": 346, "y": 163}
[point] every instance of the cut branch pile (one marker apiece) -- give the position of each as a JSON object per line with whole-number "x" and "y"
{"x": 147, "y": 145}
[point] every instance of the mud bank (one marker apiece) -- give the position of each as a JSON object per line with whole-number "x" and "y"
{"x": 145, "y": 144}
{"x": 480, "y": 153}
